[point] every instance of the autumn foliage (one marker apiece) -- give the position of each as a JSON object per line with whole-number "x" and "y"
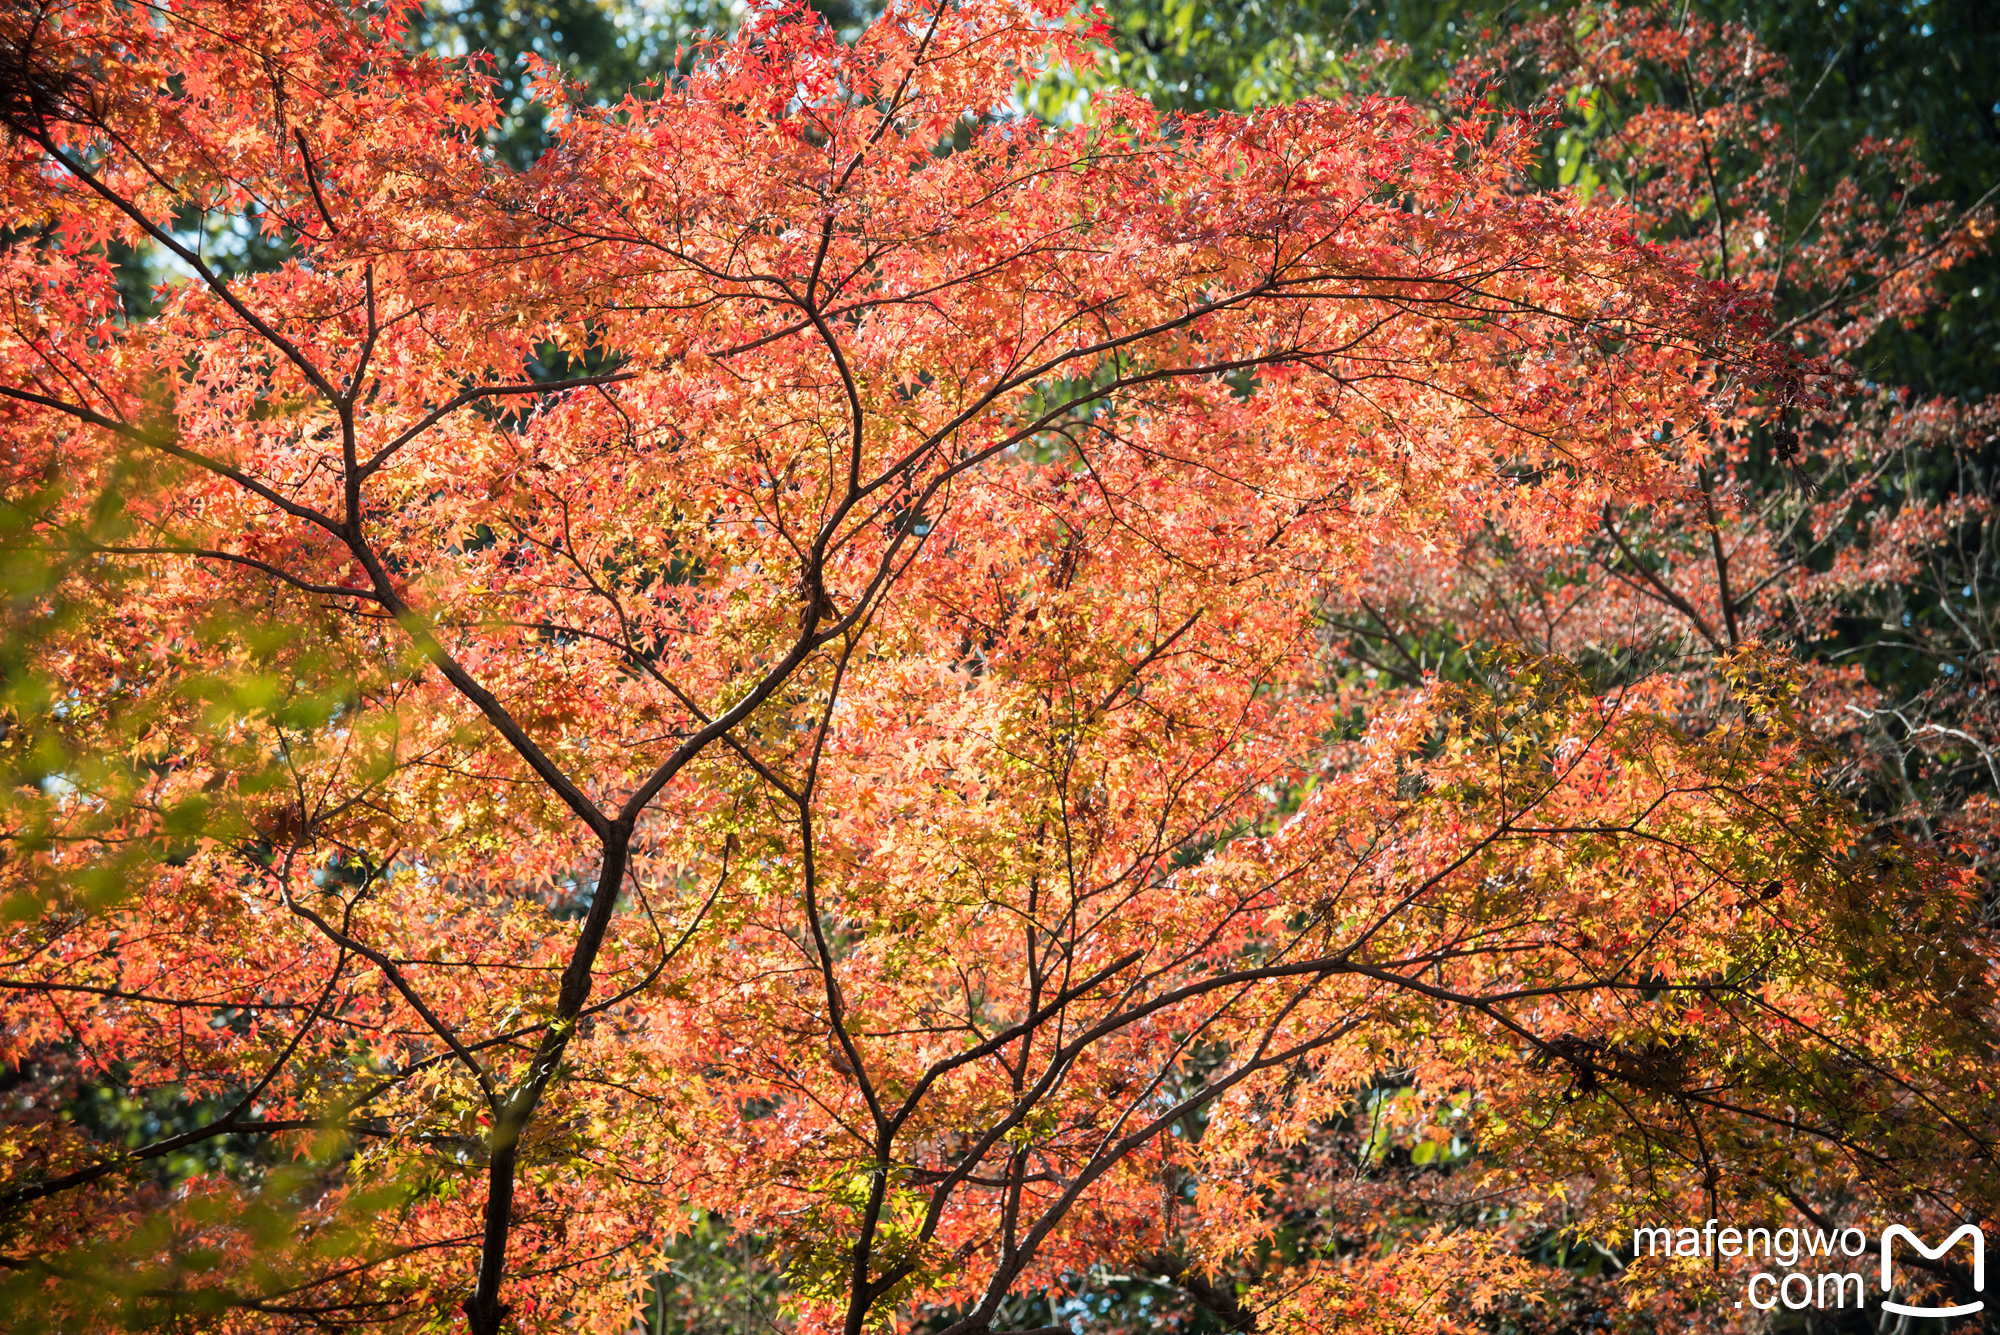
{"x": 778, "y": 665}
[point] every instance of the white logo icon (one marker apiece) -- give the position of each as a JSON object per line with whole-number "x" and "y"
{"x": 1891, "y": 1233}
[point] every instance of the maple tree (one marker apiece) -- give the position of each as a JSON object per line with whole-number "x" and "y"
{"x": 1841, "y": 520}
{"x": 778, "y": 662}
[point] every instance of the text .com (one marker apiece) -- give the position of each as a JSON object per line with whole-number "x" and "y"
{"x": 1827, "y": 1254}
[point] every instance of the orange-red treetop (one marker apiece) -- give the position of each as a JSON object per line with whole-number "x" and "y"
{"x": 754, "y": 664}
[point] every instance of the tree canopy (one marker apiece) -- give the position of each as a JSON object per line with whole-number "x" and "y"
{"x": 825, "y": 663}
